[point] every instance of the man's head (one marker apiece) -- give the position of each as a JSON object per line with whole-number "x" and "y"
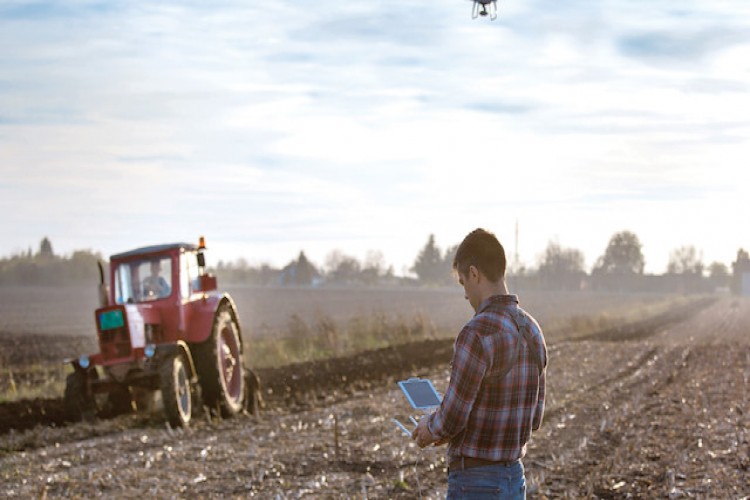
{"x": 482, "y": 250}
{"x": 480, "y": 265}
{"x": 155, "y": 267}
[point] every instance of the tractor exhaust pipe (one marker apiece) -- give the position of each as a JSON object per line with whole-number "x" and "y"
{"x": 103, "y": 289}
{"x": 201, "y": 257}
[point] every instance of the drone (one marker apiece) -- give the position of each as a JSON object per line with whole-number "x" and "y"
{"x": 484, "y": 8}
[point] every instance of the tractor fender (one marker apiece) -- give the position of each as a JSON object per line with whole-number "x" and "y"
{"x": 164, "y": 351}
{"x": 203, "y": 314}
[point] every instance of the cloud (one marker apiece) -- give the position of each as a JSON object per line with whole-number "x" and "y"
{"x": 499, "y": 107}
{"x": 19, "y": 10}
{"x": 716, "y": 86}
{"x": 683, "y": 46}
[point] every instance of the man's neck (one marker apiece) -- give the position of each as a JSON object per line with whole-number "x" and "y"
{"x": 490, "y": 289}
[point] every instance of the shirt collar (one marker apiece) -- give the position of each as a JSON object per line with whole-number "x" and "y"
{"x": 500, "y": 300}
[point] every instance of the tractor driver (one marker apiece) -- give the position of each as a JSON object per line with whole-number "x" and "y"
{"x": 155, "y": 286}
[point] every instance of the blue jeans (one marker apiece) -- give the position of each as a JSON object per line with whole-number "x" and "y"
{"x": 489, "y": 481}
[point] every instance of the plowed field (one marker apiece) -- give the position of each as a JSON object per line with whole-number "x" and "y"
{"x": 657, "y": 408}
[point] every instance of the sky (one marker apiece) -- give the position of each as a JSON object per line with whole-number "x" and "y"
{"x": 278, "y": 127}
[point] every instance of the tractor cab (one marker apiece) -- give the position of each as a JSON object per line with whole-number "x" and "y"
{"x": 173, "y": 272}
{"x": 143, "y": 280}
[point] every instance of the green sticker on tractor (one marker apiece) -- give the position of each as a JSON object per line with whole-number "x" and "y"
{"x": 111, "y": 319}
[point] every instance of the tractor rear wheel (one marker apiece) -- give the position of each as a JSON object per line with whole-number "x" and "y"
{"x": 219, "y": 364}
{"x": 176, "y": 392}
{"x": 79, "y": 404}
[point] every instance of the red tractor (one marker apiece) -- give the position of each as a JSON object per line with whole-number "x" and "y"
{"x": 163, "y": 325}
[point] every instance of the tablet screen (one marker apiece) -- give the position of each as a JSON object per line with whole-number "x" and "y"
{"x": 420, "y": 393}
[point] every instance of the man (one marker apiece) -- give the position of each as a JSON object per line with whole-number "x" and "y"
{"x": 156, "y": 286}
{"x": 495, "y": 396}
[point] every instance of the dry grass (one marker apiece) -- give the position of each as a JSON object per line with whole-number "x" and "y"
{"x": 579, "y": 324}
{"x": 324, "y": 338}
{"x": 32, "y": 381}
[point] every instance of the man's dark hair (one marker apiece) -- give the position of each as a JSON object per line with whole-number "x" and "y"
{"x": 482, "y": 250}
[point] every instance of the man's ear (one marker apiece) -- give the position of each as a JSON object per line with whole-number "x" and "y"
{"x": 474, "y": 273}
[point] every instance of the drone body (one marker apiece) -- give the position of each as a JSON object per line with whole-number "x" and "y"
{"x": 484, "y": 8}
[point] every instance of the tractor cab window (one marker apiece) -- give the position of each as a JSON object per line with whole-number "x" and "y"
{"x": 143, "y": 280}
{"x": 124, "y": 291}
{"x": 188, "y": 274}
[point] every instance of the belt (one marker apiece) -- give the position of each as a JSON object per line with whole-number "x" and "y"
{"x": 463, "y": 463}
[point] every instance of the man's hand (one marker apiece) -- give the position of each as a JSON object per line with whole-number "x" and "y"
{"x": 422, "y": 434}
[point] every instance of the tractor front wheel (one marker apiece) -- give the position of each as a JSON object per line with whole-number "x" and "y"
{"x": 219, "y": 364}
{"x": 176, "y": 392}
{"x": 78, "y": 401}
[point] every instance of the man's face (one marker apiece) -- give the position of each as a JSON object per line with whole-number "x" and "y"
{"x": 155, "y": 268}
{"x": 470, "y": 283}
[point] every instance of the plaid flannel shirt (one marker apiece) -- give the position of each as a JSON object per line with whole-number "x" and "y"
{"x": 485, "y": 416}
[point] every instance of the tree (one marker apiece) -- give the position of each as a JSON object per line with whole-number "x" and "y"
{"x": 45, "y": 268}
{"x": 306, "y": 271}
{"x": 374, "y": 267}
{"x": 266, "y": 274}
{"x": 718, "y": 271}
{"x": 450, "y": 255}
{"x": 429, "y": 265}
{"x": 299, "y": 272}
{"x": 82, "y": 267}
{"x": 562, "y": 267}
{"x": 685, "y": 260}
{"x": 622, "y": 256}
{"x": 740, "y": 268}
{"x": 718, "y": 275}
{"x": 45, "y": 249}
{"x": 241, "y": 272}
{"x": 341, "y": 268}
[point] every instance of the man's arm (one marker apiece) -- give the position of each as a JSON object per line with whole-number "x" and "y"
{"x": 469, "y": 367}
{"x": 539, "y": 411}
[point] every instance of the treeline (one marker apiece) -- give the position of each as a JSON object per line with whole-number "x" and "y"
{"x": 432, "y": 267}
{"x": 43, "y": 267}
{"x": 619, "y": 268}
{"x": 338, "y": 269}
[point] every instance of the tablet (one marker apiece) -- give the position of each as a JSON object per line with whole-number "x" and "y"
{"x": 420, "y": 393}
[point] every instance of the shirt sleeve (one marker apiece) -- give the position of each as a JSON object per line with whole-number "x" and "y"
{"x": 467, "y": 372}
{"x": 539, "y": 412}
